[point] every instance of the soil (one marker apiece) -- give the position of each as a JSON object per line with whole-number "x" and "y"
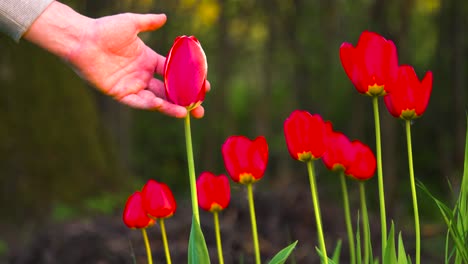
{"x": 282, "y": 217}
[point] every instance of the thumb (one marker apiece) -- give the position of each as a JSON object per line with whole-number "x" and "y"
{"x": 149, "y": 22}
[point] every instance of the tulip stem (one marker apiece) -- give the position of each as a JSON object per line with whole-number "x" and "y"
{"x": 254, "y": 223}
{"x": 164, "y": 238}
{"x": 147, "y": 246}
{"x": 383, "y": 217}
{"x": 413, "y": 192}
{"x": 218, "y": 237}
{"x": 191, "y": 167}
{"x": 318, "y": 218}
{"x": 365, "y": 221}
{"x": 349, "y": 226}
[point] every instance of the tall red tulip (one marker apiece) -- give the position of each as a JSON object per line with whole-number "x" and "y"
{"x": 158, "y": 200}
{"x": 245, "y": 159}
{"x": 305, "y": 135}
{"x": 185, "y": 72}
{"x": 134, "y": 216}
{"x": 371, "y": 65}
{"x": 339, "y": 148}
{"x": 363, "y": 163}
{"x": 214, "y": 192}
{"x": 409, "y": 96}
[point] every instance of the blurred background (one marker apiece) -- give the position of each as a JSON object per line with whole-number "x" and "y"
{"x": 69, "y": 152}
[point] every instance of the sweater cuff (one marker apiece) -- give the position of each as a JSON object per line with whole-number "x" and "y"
{"x": 16, "y": 16}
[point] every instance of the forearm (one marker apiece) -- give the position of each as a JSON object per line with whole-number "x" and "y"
{"x": 58, "y": 29}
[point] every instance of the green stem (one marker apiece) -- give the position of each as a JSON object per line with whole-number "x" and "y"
{"x": 147, "y": 246}
{"x": 218, "y": 237}
{"x": 413, "y": 192}
{"x": 383, "y": 217}
{"x": 191, "y": 167}
{"x": 318, "y": 218}
{"x": 164, "y": 238}
{"x": 254, "y": 223}
{"x": 349, "y": 226}
{"x": 365, "y": 221}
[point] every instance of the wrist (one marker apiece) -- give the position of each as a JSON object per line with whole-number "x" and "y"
{"x": 58, "y": 29}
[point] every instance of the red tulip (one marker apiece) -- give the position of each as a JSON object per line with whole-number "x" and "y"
{"x": 363, "y": 163}
{"x": 134, "y": 216}
{"x": 371, "y": 65}
{"x": 305, "y": 135}
{"x": 339, "y": 148}
{"x": 214, "y": 192}
{"x": 244, "y": 159}
{"x": 409, "y": 97}
{"x": 185, "y": 72}
{"x": 158, "y": 200}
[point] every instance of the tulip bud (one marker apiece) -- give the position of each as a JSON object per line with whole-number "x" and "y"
{"x": 134, "y": 216}
{"x": 158, "y": 200}
{"x": 214, "y": 192}
{"x": 185, "y": 73}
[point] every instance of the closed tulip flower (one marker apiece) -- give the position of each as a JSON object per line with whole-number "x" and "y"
{"x": 337, "y": 157}
{"x": 214, "y": 192}
{"x": 363, "y": 163}
{"x": 245, "y": 159}
{"x": 371, "y": 65}
{"x": 158, "y": 200}
{"x": 185, "y": 73}
{"x": 409, "y": 96}
{"x": 305, "y": 135}
{"x": 134, "y": 216}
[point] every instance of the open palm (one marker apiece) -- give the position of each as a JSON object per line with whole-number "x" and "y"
{"x": 112, "y": 57}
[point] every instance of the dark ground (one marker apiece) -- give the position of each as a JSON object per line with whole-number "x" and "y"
{"x": 282, "y": 218}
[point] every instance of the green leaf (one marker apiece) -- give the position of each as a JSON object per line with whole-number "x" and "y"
{"x": 402, "y": 256}
{"x": 358, "y": 242}
{"x": 197, "y": 250}
{"x": 283, "y": 255}
{"x": 330, "y": 261}
{"x": 337, "y": 252}
{"x": 389, "y": 256}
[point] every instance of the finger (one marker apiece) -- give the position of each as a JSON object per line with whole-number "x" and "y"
{"x": 198, "y": 112}
{"x": 160, "y": 61}
{"x": 207, "y": 86}
{"x": 147, "y": 101}
{"x": 149, "y": 22}
{"x": 157, "y": 88}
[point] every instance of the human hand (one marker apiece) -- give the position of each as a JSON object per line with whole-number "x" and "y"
{"x": 108, "y": 53}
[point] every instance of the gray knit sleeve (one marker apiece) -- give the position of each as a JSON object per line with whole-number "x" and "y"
{"x": 16, "y": 16}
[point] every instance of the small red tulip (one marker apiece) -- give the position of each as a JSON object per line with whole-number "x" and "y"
{"x": 371, "y": 65}
{"x": 363, "y": 162}
{"x": 245, "y": 159}
{"x": 158, "y": 200}
{"x": 214, "y": 192}
{"x": 337, "y": 157}
{"x": 409, "y": 97}
{"x": 134, "y": 216}
{"x": 185, "y": 72}
{"x": 305, "y": 135}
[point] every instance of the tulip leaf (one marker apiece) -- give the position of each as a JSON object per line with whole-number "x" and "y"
{"x": 197, "y": 250}
{"x": 402, "y": 256}
{"x": 330, "y": 261}
{"x": 283, "y": 255}
{"x": 337, "y": 252}
{"x": 389, "y": 256}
